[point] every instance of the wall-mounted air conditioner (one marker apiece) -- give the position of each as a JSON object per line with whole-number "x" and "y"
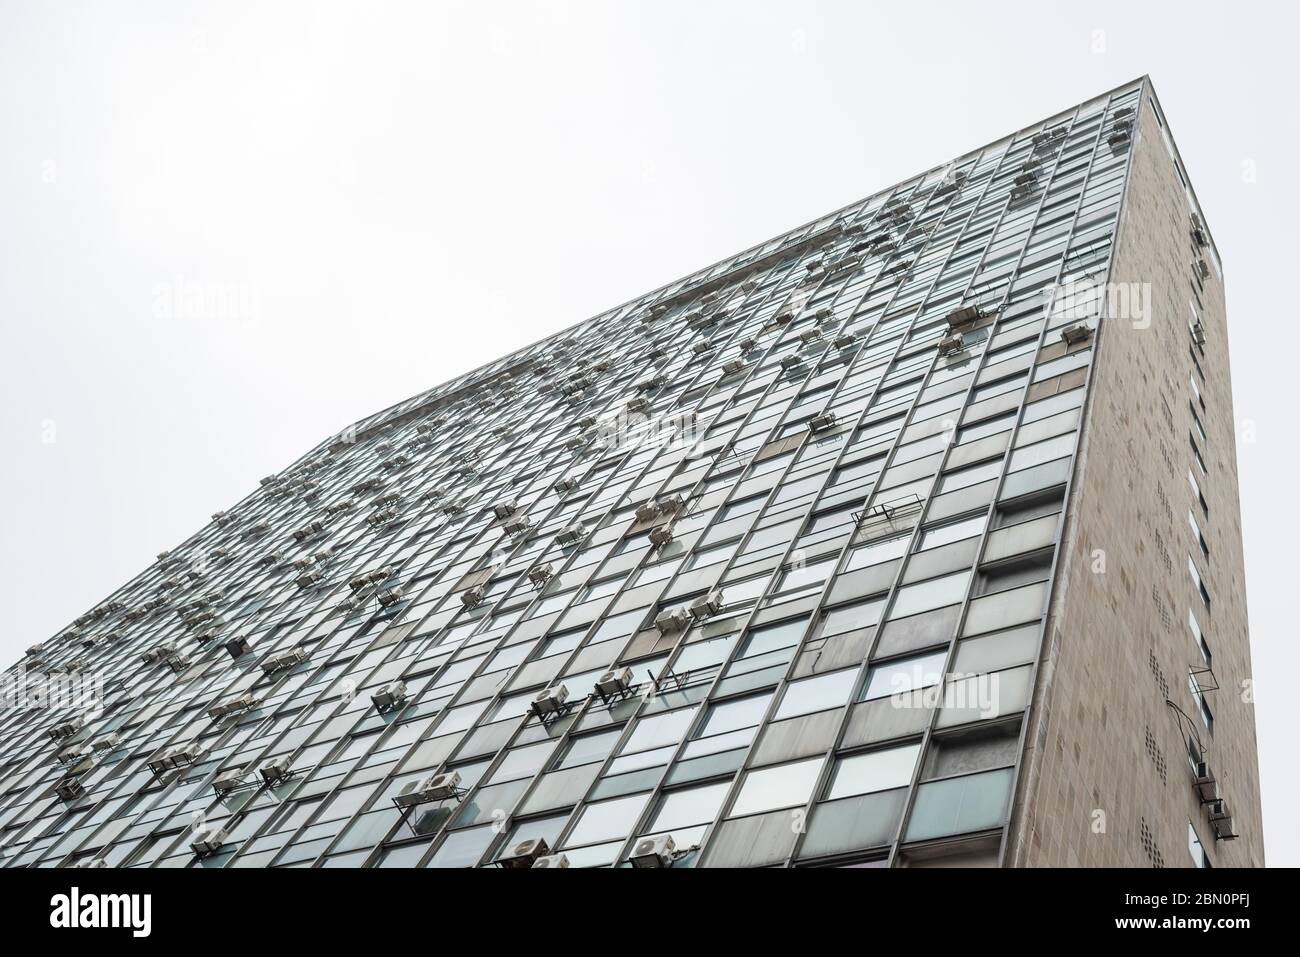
{"x": 208, "y": 840}
{"x": 277, "y": 769}
{"x": 524, "y": 854}
{"x": 653, "y": 851}
{"x": 672, "y": 621}
{"x": 228, "y": 781}
{"x": 571, "y": 534}
{"x": 822, "y": 422}
{"x": 550, "y": 701}
{"x": 661, "y": 535}
{"x": 616, "y": 681}
{"x": 1079, "y": 332}
{"x": 283, "y": 660}
{"x": 390, "y": 695}
{"x": 706, "y": 606}
{"x": 69, "y": 789}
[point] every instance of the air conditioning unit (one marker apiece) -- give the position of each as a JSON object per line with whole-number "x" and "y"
{"x": 506, "y": 508}
{"x": 182, "y": 755}
{"x": 614, "y": 682}
{"x": 158, "y": 653}
{"x": 1218, "y": 810}
{"x": 368, "y": 578}
{"x": 412, "y": 793}
{"x": 208, "y": 840}
{"x": 550, "y": 701}
{"x": 572, "y": 534}
{"x": 747, "y": 343}
{"x": 809, "y": 335}
{"x": 309, "y": 530}
{"x": 1198, "y": 334}
{"x": 638, "y": 404}
{"x": 277, "y": 769}
{"x": 237, "y": 647}
{"x": 820, "y": 423}
{"x": 791, "y": 362}
{"x": 108, "y": 742}
{"x": 390, "y": 695}
{"x": 1079, "y": 332}
{"x": 661, "y": 535}
{"x": 733, "y": 366}
{"x": 671, "y": 622}
{"x": 1199, "y": 235}
{"x": 566, "y": 484}
{"x": 443, "y": 786}
{"x": 647, "y": 511}
{"x": 1224, "y": 829}
{"x": 227, "y": 781}
{"x": 1202, "y": 268}
{"x": 706, "y": 606}
{"x": 390, "y": 596}
{"x": 233, "y": 705}
{"x": 95, "y": 862}
{"x": 436, "y": 787}
{"x": 524, "y": 854}
{"x": 517, "y": 525}
{"x": 472, "y": 597}
{"x": 69, "y": 789}
{"x": 951, "y": 345}
{"x": 1203, "y": 774}
{"x": 964, "y": 316}
{"x": 551, "y": 860}
{"x": 382, "y": 517}
{"x": 310, "y": 580}
{"x": 844, "y": 340}
{"x": 73, "y": 753}
{"x": 653, "y": 852}
{"x": 283, "y": 661}
{"x": 541, "y": 574}
{"x": 66, "y": 729}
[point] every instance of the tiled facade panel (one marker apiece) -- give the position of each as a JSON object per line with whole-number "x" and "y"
{"x": 750, "y": 571}
{"x": 1117, "y": 720}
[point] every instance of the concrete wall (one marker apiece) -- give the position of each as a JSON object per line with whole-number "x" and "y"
{"x": 1106, "y": 780}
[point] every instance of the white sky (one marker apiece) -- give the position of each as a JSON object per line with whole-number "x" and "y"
{"x": 396, "y": 193}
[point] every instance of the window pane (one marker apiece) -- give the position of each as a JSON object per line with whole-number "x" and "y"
{"x": 952, "y": 532}
{"x": 875, "y": 771}
{"x": 816, "y": 694}
{"x": 789, "y": 785}
{"x": 906, "y": 674}
{"x": 936, "y": 593}
{"x": 607, "y": 820}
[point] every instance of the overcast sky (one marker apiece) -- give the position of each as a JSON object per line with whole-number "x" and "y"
{"x": 372, "y": 198}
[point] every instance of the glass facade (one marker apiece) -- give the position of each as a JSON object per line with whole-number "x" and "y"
{"x": 750, "y": 571}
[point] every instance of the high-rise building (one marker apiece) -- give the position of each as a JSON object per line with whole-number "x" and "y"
{"x": 908, "y": 538}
